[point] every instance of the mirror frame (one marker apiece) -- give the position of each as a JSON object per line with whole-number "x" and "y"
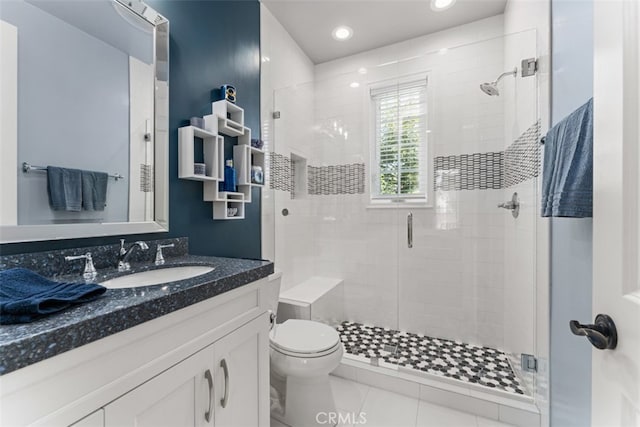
{"x": 33, "y": 233}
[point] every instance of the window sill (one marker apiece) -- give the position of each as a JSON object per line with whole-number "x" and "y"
{"x": 400, "y": 205}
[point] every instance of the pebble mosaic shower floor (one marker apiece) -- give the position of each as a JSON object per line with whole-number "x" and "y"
{"x": 453, "y": 359}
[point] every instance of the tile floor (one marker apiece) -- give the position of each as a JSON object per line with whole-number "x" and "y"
{"x": 468, "y": 363}
{"x": 381, "y": 408}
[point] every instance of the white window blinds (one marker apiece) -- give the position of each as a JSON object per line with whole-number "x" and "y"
{"x": 399, "y": 169}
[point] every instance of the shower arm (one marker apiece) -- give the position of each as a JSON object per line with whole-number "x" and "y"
{"x": 506, "y": 73}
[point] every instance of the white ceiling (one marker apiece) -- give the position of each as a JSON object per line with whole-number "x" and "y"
{"x": 375, "y": 23}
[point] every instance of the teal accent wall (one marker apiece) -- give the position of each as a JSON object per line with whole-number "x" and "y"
{"x": 212, "y": 42}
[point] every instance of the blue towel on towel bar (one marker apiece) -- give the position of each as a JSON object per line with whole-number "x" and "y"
{"x": 65, "y": 188}
{"x": 567, "y": 175}
{"x": 94, "y": 190}
{"x": 26, "y": 296}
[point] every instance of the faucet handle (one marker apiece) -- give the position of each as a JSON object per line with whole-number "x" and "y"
{"x": 122, "y": 249}
{"x": 89, "y": 270}
{"x": 159, "y": 256}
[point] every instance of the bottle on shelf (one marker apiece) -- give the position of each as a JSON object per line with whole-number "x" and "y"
{"x": 229, "y": 183}
{"x": 257, "y": 176}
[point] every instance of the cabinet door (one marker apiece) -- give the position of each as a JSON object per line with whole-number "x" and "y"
{"x": 180, "y": 396}
{"x": 96, "y": 419}
{"x": 242, "y": 376}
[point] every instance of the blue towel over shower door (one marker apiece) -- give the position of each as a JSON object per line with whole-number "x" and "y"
{"x": 567, "y": 175}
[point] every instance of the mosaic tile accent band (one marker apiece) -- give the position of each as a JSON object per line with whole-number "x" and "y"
{"x": 522, "y": 158}
{"x": 452, "y": 359}
{"x": 280, "y": 176}
{"x": 293, "y": 179}
{"x": 339, "y": 179}
{"x": 477, "y": 171}
{"x": 491, "y": 170}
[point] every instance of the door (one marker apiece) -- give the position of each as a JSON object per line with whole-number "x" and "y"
{"x": 616, "y": 213}
{"x": 180, "y": 396}
{"x": 242, "y": 376}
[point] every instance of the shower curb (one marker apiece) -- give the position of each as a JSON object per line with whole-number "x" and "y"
{"x": 520, "y": 411}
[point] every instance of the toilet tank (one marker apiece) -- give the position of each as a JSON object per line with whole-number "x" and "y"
{"x": 273, "y": 291}
{"x": 319, "y": 298}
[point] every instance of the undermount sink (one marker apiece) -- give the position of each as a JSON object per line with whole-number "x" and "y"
{"x": 156, "y": 277}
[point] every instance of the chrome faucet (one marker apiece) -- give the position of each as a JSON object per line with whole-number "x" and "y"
{"x": 123, "y": 264}
{"x": 159, "y": 257}
{"x": 89, "y": 270}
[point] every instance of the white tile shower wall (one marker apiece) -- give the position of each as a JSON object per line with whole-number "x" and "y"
{"x": 287, "y": 240}
{"x": 450, "y": 284}
{"x": 295, "y": 233}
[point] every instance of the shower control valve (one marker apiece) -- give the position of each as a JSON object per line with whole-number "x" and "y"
{"x": 513, "y": 205}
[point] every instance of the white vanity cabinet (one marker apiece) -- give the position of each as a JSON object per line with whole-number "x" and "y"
{"x": 238, "y": 378}
{"x": 176, "y": 397}
{"x": 217, "y": 386}
{"x": 208, "y": 358}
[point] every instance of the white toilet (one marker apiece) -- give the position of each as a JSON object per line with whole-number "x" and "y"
{"x": 302, "y": 354}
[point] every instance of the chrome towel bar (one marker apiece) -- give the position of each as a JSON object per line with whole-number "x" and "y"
{"x": 27, "y": 167}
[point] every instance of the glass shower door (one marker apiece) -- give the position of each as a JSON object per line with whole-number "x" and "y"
{"x": 466, "y": 283}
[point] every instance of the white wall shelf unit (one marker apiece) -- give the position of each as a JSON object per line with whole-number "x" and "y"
{"x": 213, "y": 154}
{"x": 226, "y": 119}
{"x": 244, "y": 158}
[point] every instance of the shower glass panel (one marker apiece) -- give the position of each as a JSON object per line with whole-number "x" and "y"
{"x": 389, "y": 178}
{"x": 468, "y": 281}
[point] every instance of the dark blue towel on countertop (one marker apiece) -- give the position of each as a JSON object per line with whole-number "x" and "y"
{"x": 567, "y": 175}
{"x": 26, "y": 296}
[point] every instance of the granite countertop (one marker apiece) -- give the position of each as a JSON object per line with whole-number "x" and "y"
{"x": 119, "y": 309}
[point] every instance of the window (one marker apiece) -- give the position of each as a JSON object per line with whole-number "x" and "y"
{"x": 399, "y": 166}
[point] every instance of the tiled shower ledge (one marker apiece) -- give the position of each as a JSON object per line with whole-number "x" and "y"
{"x": 461, "y": 365}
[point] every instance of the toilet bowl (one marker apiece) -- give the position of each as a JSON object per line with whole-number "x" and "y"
{"x": 302, "y": 354}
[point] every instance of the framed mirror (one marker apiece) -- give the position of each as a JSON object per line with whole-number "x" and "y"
{"x": 84, "y": 92}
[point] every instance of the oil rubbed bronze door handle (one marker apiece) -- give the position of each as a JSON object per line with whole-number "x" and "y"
{"x": 602, "y": 335}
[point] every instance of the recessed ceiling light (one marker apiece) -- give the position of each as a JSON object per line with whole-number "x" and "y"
{"x": 342, "y": 33}
{"x": 362, "y": 70}
{"x": 354, "y": 85}
{"x": 440, "y": 5}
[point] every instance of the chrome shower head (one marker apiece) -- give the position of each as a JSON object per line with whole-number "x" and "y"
{"x": 491, "y": 89}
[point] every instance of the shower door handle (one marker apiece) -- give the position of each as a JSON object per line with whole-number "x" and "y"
{"x": 410, "y": 230}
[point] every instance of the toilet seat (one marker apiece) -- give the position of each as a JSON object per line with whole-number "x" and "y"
{"x": 304, "y": 338}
